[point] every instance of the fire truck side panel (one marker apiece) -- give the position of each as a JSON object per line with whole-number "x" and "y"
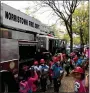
{"x": 9, "y": 55}
{"x": 22, "y": 36}
{"x": 9, "y": 49}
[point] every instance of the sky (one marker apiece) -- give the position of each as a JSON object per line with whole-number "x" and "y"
{"x": 45, "y": 17}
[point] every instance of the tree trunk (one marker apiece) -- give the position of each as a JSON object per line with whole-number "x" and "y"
{"x": 81, "y": 41}
{"x": 71, "y": 35}
{"x": 71, "y": 43}
{"x": 86, "y": 41}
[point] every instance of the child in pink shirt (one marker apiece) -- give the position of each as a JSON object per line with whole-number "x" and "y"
{"x": 32, "y": 80}
{"x": 81, "y": 81}
{"x": 24, "y": 88}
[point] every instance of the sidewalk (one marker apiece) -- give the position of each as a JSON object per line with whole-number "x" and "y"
{"x": 67, "y": 84}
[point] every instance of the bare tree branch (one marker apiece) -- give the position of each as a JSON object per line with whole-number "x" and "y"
{"x": 58, "y": 11}
{"x": 66, "y": 2}
{"x": 58, "y": 4}
{"x": 51, "y": 14}
{"x": 46, "y": 11}
{"x": 56, "y": 21}
{"x": 37, "y": 9}
{"x": 53, "y": 9}
{"x": 65, "y": 9}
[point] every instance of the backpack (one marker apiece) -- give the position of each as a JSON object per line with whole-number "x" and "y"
{"x": 24, "y": 88}
{"x": 56, "y": 71}
{"x": 79, "y": 63}
{"x": 44, "y": 71}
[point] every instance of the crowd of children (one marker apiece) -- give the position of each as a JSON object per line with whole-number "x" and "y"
{"x": 37, "y": 76}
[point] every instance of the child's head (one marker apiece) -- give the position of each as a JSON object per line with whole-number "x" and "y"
{"x": 79, "y": 76}
{"x": 78, "y": 73}
{"x": 64, "y": 56}
{"x": 25, "y": 68}
{"x": 55, "y": 59}
{"x": 36, "y": 63}
{"x": 59, "y": 57}
{"x": 42, "y": 61}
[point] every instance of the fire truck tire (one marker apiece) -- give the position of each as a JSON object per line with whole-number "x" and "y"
{"x": 8, "y": 83}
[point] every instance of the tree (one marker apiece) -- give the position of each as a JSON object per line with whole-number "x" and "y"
{"x": 76, "y": 40}
{"x": 55, "y": 31}
{"x": 65, "y": 15}
{"x": 66, "y": 37}
{"x": 81, "y": 23}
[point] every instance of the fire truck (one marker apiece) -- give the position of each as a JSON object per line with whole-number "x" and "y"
{"x": 21, "y": 36}
{"x": 18, "y": 40}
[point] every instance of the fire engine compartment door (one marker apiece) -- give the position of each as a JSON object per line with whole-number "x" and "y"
{"x": 27, "y": 51}
{"x": 42, "y": 41}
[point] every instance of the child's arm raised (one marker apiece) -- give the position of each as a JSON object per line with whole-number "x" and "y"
{"x": 87, "y": 81}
